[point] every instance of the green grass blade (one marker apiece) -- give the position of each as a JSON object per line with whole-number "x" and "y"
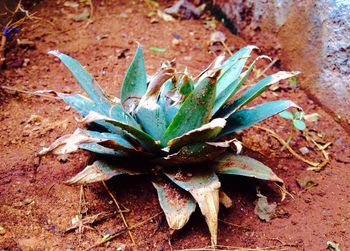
{"x": 85, "y": 80}
{"x": 244, "y": 166}
{"x": 135, "y": 82}
{"x": 248, "y": 117}
{"x": 195, "y": 111}
{"x": 177, "y": 204}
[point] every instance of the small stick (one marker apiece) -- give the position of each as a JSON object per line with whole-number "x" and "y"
{"x": 120, "y": 212}
{"x": 35, "y": 93}
{"x": 276, "y": 136}
{"x": 226, "y": 47}
{"x": 234, "y": 225}
{"x": 290, "y": 137}
{"x": 119, "y": 232}
{"x": 267, "y": 67}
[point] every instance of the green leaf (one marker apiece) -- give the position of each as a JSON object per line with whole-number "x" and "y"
{"x": 143, "y": 138}
{"x": 96, "y": 148}
{"x": 120, "y": 139}
{"x": 85, "y": 80}
{"x": 81, "y": 104}
{"x": 195, "y": 111}
{"x": 152, "y": 118}
{"x": 167, "y": 101}
{"x": 196, "y": 153}
{"x": 100, "y": 171}
{"x": 233, "y": 85}
{"x": 117, "y": 113}
{"x": 176, "y": 203}
{"x": 286, "y": 115}
{"x": 244, "y": 166}
{"x": 232, "y": 68}
{"x": 248, "y": 117}
{"x": 149, "y": 112}
{"x": 245, "y": 51}
{"x": 203, "y": 185}
{"x": 157, "y": 49}
{"x": 185, "y": 85}
{"x": 135, "y": 82}
{"x": 299, "y": 124}
{"x": 201, "y": 134}
{"x": 253, "y": 92}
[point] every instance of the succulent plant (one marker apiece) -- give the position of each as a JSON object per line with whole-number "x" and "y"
{"x": 171, "y": 127}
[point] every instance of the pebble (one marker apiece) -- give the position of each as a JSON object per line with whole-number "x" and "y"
{"x": 304, "y": 150}
{"x": 176, "y": 42}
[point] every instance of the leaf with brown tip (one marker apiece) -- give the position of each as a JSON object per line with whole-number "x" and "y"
{"x": 244, "y": 166}
{"x": 204, "y": 186}
{"x": 201, "y": 134}
{"x": 177, "y": 204}
{"x": 100, "y": 171}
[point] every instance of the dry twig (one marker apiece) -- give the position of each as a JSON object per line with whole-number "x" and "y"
{"x": 120, "y": 211}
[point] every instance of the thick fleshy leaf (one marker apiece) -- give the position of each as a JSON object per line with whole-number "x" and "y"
{"x": 152, "y": 118}
{"x": 135, "y": 82}
{"x": 232, "y": 87}
{"x": 100, "y": 171}
{"x": 119, "y": 142}
{"x": 185, "y": 85}
{"x": 117, "y": 113}
{"x": 233, "y": 164}
{"x": 245, "y": 51}
{"x": 203, "y": 185}
{"x": 201, "y": 134}
{"x": 231, "y": 70}
{"x": 69, "y": 143}
{"x": 81, "y": 104}
{"x": 196, "y": 153}
{"x": 149, "y": 113}
{"x": 195, "y": 111}
{"x": 169, "y": 100}
{"x": 177, "y": 204}
{"x": 84, "y": 105}
{"x": 217, "y": 63}
{"x": 254, "y": 91}
{"x": 85, "y": 80}
{"x": 248, "y": 117}
{"x": 143, "y": 138}
{"x": 96, "y": 148}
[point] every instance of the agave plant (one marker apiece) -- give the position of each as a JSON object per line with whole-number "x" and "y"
{"x": 171, "y": 127}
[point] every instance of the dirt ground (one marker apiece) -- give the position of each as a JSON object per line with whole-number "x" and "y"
{"x": 35, "y": 204}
